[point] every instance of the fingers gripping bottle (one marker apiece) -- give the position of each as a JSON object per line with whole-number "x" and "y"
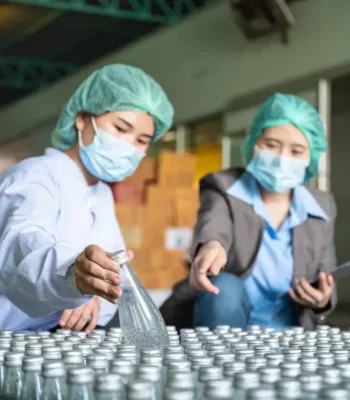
{"x": 140, "y": 320}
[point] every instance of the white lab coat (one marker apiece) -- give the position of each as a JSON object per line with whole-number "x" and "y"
{"x": 48, "y": 215}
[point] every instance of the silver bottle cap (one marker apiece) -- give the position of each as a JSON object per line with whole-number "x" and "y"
{"x": 5, "y": 333}
{"x": 74, "y": 339}
{"x": 149, "y": 373}
{"x": 32, "y": 363}
{"x": 64, "y": 346}
{"x": 109, "y": 345}
{"x": 274, "y": 360}
{"x": 221, "y": 358}
{"x": 93, "y": 338}
{"x": 230, "y": 368}
{"x": 254, "y": 363}
{"x": 98, "y": 363}
{"x": 104, "y": 352}
{"x": 150, "y": 352}
{"x": 289, "y": 369}
{"x": 310, "y": 382}
{"x": 179, "y": 365}
{"x": 53, "y": 369}
{"x": 246, "y": 380}
{"x": 85, "y": 348}
{"x": 152, "y": 360}
{"x": 288, "y": 388}
{"x": 208, "y": 373}
{"x": 179, "y": 394}
{"x": 219, "y": 389}
{"x": 201, "y": 362}
{"x": 269, "y": 374}
{"x": 243, "y": 354}
{"x": 13, "y": 359}
{"x": 195, "y": 353}
{"x": 261, "y": 394}
{"x": 261, "y": 350}
{"x": 81, "y": 376}
{"x": 334, "y": 394}
{"x": 58, "y": 336}
{"x": 139, "y": 390}
{"x": 120, "y": 257}
{"x": 108, "y": 383}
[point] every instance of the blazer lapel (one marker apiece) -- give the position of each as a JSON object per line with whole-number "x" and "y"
{"x": 302, "y": 249}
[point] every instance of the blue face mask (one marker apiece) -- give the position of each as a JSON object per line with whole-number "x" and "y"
{"x": 109, "y": 158}
{"x": 277, "y": 173}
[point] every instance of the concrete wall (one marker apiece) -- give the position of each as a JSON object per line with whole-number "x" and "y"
{"x": 340, "y": 167}
{"x": 205, "y": 62}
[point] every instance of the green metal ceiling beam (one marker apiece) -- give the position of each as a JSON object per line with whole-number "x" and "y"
{"x": 31, "y": 74}
{"x": 137, "y": 9}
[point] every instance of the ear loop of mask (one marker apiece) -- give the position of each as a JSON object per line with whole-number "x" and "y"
{"x": 80, "y": 135}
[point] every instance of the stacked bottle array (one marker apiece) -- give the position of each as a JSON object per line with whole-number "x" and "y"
{"x": 226, "y": 364}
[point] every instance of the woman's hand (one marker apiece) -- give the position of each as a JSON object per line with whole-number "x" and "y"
{"x": 210, "y": 259}
{"x": 96, "y": 274}
{"x": 77, "y": 318}
{"x": 303, "y": 293}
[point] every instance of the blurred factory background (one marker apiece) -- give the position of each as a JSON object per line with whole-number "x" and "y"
{"x": 217, "y": 60}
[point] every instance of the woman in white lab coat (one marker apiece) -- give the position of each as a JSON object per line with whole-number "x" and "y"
{"x": 57, "y": 217}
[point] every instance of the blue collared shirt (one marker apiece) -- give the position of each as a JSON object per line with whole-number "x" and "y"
{"x": 272, "y": 273}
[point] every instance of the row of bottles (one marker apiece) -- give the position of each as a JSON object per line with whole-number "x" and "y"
{"x": 226, "y": 364}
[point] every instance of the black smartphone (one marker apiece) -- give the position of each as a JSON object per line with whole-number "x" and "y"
{"x": 342, "y": 271}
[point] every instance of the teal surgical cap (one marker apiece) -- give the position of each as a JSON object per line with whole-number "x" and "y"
{"x": 115, "y": 87}
{"x": 281, "y": 109}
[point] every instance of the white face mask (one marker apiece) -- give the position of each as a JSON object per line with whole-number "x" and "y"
{"x": 277, "y": 173}
{"x": 109, "y": 158}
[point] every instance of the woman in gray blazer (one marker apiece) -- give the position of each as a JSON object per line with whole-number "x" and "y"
{"x": 270, "y": 233}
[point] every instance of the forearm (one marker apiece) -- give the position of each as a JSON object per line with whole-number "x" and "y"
{"x": 33, "y": 273}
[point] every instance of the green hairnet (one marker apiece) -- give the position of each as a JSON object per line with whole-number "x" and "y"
{"x": 281, "y": 109}
{"x": 115, "y": 87}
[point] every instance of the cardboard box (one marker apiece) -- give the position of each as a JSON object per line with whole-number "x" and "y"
{"x": 186, "y": 204}
{"x": 132, "y": 236}
{"x": 160, "y": 204}
{"x": 129, "y": 192}
{"x": 158, "y": 268}
{"x": 176, "y": 169}
{"x": 146, "y": 172}
{"x": 130, "y": 215}
{"x": 185, "y": 215}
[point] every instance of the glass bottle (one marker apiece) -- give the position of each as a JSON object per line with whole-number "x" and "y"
{"x": 151, "y": 373}
{"x": 311, "y": 384}
{"x": 12, "y": 385}
{"x": 288, "y": 389}
{"x": 80, "y": 384}
{"x": 55, "y": 387}
{"x": 140, "y": 320}
{"x": 139, "y": 390}
{"x": 243, "y": 381}
{"x": 109, "y": 387}
{"x": 32, "y": 380}
{"x": 2, "y": 353}
{"x": 123, "y": 368}
{"x": 261, "y": 394}
{"x": 219, "y": 389}
{"x": 99, "y": 364}
{"x": 334, "y": 394}
{"x": 206, "y": 374}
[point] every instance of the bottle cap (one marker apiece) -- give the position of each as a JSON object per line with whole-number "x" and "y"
{"x": 80, "y": 376}
{"x": 108, "y": 383}
{"x": 120, "y": 257}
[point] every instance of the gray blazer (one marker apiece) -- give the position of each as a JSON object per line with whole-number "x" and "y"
{"x": 234, "y": 224}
